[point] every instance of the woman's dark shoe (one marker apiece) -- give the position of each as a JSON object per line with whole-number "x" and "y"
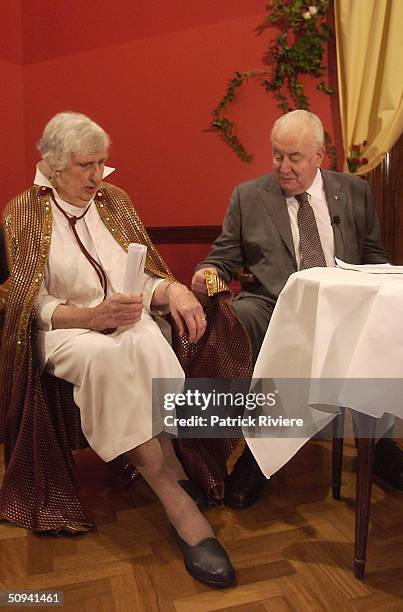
{"x": 207, "y": 561}
{"x": 195, "y": 493}
{"x": 124, "y": 470}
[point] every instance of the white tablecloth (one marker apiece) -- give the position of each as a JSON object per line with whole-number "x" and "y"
{"x": 335, "y": 339}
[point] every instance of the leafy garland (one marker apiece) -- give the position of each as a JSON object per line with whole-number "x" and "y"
{"x": 297, "y": 50}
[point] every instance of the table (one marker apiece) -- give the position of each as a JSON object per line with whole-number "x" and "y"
{"x": 335, "y": 339}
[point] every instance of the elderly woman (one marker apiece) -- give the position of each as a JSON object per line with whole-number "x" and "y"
{"x": 67, "y": 239}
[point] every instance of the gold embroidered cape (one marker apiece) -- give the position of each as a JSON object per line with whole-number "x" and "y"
{"x": 38, "y": 488}
{"x": 39, "y": 422}
{"x": 28, "y": 229}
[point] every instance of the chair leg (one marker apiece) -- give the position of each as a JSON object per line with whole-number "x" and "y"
{"x": 337, "y": 453}
{"x": 366, "y": 444}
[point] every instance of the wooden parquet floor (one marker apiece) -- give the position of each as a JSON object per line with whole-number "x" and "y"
{"x": 292, "y": 551}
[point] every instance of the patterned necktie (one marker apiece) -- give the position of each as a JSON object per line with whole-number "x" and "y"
{"x": 309, "y": 241}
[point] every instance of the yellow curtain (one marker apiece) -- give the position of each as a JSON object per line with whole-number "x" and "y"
{"x": 369, "y": 36}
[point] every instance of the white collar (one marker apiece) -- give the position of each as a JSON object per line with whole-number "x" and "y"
{"x": 316, "y": 188}
{"x": 41, "y": 180}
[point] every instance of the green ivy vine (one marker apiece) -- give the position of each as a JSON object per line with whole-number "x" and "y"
{"x": 296, "y": 51}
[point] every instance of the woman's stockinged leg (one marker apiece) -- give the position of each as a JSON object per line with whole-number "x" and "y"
{"x": 170, "y": 458}
{"x": 204, "y": 557}
{"x": 162, "y": 476}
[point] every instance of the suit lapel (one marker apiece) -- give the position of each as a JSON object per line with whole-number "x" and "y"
{"x": 336, "y": 201}
{"x": 276, "y": 206}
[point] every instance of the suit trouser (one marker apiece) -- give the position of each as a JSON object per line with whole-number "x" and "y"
{"x": 254, "y": 312}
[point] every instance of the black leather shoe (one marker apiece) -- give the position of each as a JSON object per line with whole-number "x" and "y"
{"x": 388, "y": 463}
{"x": 207, "y": 561}
{"x": 245, "y": 484}
{"x": 195, "y": 493}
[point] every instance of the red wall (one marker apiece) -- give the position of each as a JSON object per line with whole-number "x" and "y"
{"x": 150, "y": 73}
{"x": 11, "y": 103}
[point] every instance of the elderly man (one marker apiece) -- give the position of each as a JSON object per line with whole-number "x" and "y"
{"x": 299, "y": 216}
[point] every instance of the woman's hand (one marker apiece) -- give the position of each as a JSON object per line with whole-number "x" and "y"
{"x": 186, "y": 311}
{"x": 118, "y": 310}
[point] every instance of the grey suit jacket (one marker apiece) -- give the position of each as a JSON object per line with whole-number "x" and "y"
{"x": 256, "y": 231}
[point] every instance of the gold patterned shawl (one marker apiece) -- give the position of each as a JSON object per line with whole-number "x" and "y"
{"x": 38, "y": 418}
{"x": 28, "y": 229}
{"x": 38, "y": 489}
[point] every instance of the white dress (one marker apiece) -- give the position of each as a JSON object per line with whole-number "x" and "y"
{"x": 112, "y": 374}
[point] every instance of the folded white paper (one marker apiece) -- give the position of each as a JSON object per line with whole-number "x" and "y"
{"x": 134, "y": 275}
{"x": 385, "y": 268}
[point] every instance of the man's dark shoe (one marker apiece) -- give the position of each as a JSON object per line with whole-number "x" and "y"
{"x": 195, "y": 493}
{"x": 207, "y": 561}
{"x": 388, "y": 463}
{"x": 245, "y": 484}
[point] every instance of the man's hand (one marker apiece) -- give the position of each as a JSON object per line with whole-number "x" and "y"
{"x": 199, "y": 282}
{"x": 186, "y": 311}
{"x": 118, "y": 310}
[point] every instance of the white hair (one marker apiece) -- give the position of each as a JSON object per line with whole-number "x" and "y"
{"x": 300, "y": 122}
{"x": 69, "y": 134}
